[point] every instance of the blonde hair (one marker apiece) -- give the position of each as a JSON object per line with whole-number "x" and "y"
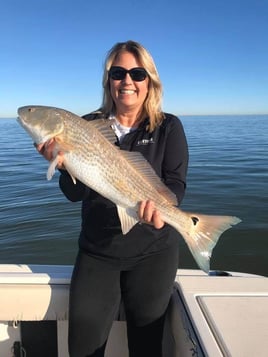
{"x": 152, "y": 103}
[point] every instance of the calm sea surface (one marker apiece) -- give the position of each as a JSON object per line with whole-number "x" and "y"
{"x": 228, "y": 175}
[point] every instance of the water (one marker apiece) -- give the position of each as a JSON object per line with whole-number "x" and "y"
{"x": 227, "y": 175}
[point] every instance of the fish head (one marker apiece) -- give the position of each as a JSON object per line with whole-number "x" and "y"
{"x": 41, "y": 122}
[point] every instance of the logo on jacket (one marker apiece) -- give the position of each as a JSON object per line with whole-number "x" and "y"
{"x": 145, "y": 142}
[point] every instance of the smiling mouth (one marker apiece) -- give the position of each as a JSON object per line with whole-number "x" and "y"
{"x": 127, "y": 91}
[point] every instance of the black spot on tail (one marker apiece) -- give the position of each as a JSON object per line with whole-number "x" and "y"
{"x": 195, "y": 220}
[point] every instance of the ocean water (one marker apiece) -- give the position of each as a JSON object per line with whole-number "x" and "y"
{"x": 228, "y": 175}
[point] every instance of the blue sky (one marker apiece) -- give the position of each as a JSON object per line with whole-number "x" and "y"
{"x": 212, "y": 55}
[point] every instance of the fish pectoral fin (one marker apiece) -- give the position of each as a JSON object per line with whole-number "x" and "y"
{"x": 128, "y": 218}
{"x": 52, "y": 167}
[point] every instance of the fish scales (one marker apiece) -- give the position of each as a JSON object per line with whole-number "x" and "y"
{"x": 107, "y": 164}
{"x": 125, "y": 178}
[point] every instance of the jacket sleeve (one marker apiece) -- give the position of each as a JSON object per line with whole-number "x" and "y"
{"x": 176, "y": 157}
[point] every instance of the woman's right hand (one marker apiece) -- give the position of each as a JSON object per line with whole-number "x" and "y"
{"x": 47, "y": 151}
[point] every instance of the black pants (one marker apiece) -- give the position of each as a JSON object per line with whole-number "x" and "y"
{"x": 145, "y": 285}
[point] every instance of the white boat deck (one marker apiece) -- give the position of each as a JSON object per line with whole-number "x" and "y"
{"x": 229, "y": 314}
{"x": 211, "y": 316}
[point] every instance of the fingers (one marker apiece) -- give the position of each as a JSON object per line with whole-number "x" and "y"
{"x": 141, "y": 210}
{"x": 149, "y": 214}
{"x": 39, "y": 147}
{"x": 47, "y": 150}
{"x": 60, "y": 164}
{"x": 157, "y": 220}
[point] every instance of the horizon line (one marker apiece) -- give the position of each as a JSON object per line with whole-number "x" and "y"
{"x": 184, "y": 115}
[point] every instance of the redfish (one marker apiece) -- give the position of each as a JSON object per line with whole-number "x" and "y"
{"x": 125, "y": 178}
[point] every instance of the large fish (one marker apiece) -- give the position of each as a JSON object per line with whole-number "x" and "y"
{"x": 123, "y": 177}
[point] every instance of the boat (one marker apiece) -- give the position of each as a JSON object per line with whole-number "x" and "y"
{"x": 215, "y": 315}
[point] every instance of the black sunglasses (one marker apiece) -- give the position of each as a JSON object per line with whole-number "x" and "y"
{"x": 137, "y": 74}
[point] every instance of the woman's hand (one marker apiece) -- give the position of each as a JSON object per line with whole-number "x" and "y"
{"x": 47, "y": 151}
{"x": 150, "y": 215}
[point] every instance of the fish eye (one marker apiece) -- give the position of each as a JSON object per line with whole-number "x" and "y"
{"x": 195, "y": 220}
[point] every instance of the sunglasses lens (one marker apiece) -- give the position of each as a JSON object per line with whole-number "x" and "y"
{"x": 138, "y": 74}
{"x": 119, "y": 73}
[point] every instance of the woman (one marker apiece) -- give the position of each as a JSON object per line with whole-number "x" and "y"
{"x": 138, "y": 268}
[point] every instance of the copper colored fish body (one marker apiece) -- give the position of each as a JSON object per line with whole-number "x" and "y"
{"x": 123, "y": 177}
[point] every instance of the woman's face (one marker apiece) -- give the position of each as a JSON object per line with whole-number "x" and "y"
{"x": 128, "y": 95}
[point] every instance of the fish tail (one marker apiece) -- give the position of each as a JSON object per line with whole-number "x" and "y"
{"x": 203, "y": 235}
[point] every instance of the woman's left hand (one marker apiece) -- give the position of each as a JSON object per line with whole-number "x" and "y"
{"x": 46, "y": 150}
{"x": 148, "y": 214}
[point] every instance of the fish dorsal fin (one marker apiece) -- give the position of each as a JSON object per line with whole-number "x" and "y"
{"x": 104, "y": 127}
{"x": 138, "y": 161}
{"x": 128, "y": 218}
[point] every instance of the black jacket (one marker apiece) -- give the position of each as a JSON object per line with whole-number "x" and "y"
{"x": 166, "y": 150}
